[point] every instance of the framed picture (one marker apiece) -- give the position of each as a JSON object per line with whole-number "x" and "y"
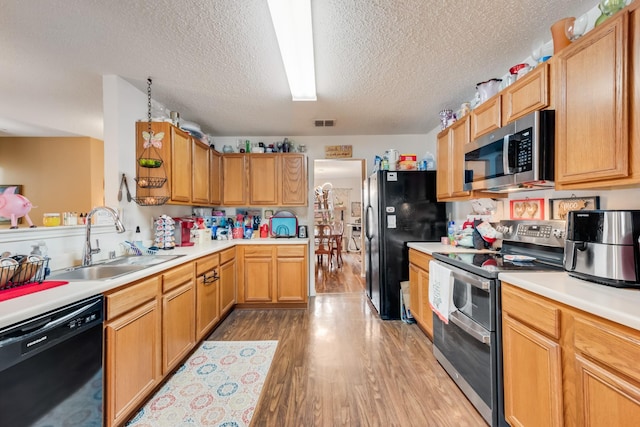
{"x": 4, "y": 220}
{"x": 355, "y": 209}
{"x": 559, "y": 208}
{"x": 526, "y": 209}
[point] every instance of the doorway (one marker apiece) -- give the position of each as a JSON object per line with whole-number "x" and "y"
{"x": 338, "y": 210}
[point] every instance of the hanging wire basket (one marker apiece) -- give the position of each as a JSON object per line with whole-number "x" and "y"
{"x": 150, "y": 182}
{"x": 151, "y": 200}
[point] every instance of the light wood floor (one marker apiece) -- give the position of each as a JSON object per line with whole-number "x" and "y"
{"x": 338, "y": 364}
{"x": 334, "y": 279}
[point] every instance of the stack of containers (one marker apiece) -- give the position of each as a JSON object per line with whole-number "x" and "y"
{"x": 165, "y": 232}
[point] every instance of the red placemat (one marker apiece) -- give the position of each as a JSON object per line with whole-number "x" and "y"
{"x": 29, "y": 289}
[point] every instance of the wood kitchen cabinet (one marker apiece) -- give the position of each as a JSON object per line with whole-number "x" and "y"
{"x": 180, "y": 166}
{"x": 597, "y": 118}
{"x": 215, "y": 177}
{"x": 563, "y": 366}
{"x": 207, "y": 294}
{"x": 272, "y": 274}
{"x": 132, "y": 349}
{"x": 227, "y": 280}
{"x": 486, "y": 117}
{"x": 450, "y": 173}
{"x": 265, "y": 179}
{"x": 200, "y": 172}
{"x": 419, "y": 290}
{"x": 234, "y": 180}
{"x": 528, "y": 94}
{"x": 178, "y": 318}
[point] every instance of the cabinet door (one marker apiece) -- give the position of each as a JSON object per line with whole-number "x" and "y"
{"x": 291, "y": 275}
{"x": 460, "y": 136}
{"x": 532, "y": 376}
{"x": 215, "y": 177}
{"x": 426, "y": 313}
{"x": 415, "y": 300}
{"x": 200, "y": 173}
{"x": 293, "y": 190}
{"x": 592, "y": 114}
{"x": 227, "y": 286}
{"x": 443, "y": 174}
{"x": 258, "y": 279}
{"x": 132, "y": 361}
{"x": 263, "y": 179}
{"x": 234, "y": 179}
{"x": 180, "y": 166}
{"x": 486, "y": 117}
{"x": 528, "y": 94}
{"x": 207, "y": 303}
{"x": 178, "y": 325}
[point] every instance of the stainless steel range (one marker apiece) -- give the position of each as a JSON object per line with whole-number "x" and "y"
{"x": 469, "y": 346}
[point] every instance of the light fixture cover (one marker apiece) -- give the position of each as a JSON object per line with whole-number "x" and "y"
{"x": 292, "y": 23}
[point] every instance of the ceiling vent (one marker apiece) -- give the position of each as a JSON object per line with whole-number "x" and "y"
{"x": 324, "y": 123}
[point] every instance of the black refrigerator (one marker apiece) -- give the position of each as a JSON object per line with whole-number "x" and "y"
{"x": 400, "y": 207}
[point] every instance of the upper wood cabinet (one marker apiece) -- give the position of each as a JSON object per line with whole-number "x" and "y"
{"x": 450, "y": 173}
{"x": 265, "y": 179}
{"x": 215, "y": 177}
{"x": 597, "y": 96}
{"x": 486, "y": 117}
{"x": 234, "y": 180}
{"x": 180, "y": 166}
{"x": 527, "y": 94}
{"x": 200, "y": 172}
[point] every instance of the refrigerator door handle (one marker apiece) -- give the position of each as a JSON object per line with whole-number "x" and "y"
{"x": 369, "y": 219}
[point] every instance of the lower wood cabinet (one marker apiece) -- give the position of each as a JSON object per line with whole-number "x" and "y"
{"x": 272, "y": 274}
{"x": 207, "y": 294}
{"x": 132, "y": 351}
{"x": 563, "y": 366}
{"x": 178, "y": 319}
{"x": 419, "y": 290}
{"x": 227, "y": 280}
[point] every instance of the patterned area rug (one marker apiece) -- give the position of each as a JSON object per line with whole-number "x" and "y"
{"x": 219, "y": 385}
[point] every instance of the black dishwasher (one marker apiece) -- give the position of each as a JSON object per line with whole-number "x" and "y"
{"x": 51, "y": 368}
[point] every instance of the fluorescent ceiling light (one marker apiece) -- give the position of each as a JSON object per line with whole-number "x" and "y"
{"x": 292, "y": 22}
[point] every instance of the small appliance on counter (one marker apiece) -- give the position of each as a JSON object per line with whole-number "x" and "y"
{"x": 183, "y": 231}
{"x": 603, "y": 247}
{"x": 283, "y": 224}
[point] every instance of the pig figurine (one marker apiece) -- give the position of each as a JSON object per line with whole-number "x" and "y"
{"x": 15, "y": 206}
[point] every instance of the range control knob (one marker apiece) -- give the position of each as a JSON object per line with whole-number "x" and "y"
{"x": 558, "y": 233}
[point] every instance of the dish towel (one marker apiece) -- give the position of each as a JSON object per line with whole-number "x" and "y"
{"x": 440, "y": 291}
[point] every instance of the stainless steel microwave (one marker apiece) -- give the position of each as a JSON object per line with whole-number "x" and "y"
{"x": 518, "y": 156}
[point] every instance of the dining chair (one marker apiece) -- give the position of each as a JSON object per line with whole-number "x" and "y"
{"x": 323, "y": 243}
{"x": 337, "y": 230}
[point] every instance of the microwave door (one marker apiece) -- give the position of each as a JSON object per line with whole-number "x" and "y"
{"x": 509, "y": 155}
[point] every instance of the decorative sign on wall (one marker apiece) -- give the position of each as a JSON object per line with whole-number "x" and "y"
{"x": 558, "y": 208}
{"x": 527, "y": 209}
{"x": 338, "y": 151}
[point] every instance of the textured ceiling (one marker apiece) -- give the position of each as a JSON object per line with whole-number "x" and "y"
{"x": 382, "y": 67}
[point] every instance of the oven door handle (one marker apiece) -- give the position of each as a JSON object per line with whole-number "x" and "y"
{"x": 466, "y": 277}
{"x": 470, "y": 327}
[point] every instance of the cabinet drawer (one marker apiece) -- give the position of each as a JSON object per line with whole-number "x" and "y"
{"x": 206, "y": 264}
{"x": 258, "y": 251}
{"x": 177, "y": 276}
{"x": 126, "y": 299}
{"x": 608, "y": 345}
{"x": 291, "y": 250}
{"x": 531, "y": 310}
{"x": 420, "y": 259}
{"x": 227, "y": 255}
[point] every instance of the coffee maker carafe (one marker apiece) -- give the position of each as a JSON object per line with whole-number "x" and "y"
{"x": 602, "y": 247}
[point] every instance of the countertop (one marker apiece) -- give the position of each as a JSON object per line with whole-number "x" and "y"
{"x": 27, "y": 306}
{"x": 618, "y": 305}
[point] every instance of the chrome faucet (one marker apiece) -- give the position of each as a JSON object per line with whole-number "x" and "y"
{"x": 88, "y": 251}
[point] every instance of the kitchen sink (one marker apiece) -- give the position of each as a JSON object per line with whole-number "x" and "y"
{"x": 144, "y": 260}
{"x": 95, "y": 272}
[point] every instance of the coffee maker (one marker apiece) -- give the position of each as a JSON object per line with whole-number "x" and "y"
{"x": 602, "y": 247}
{"x": 183, "y": 231}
